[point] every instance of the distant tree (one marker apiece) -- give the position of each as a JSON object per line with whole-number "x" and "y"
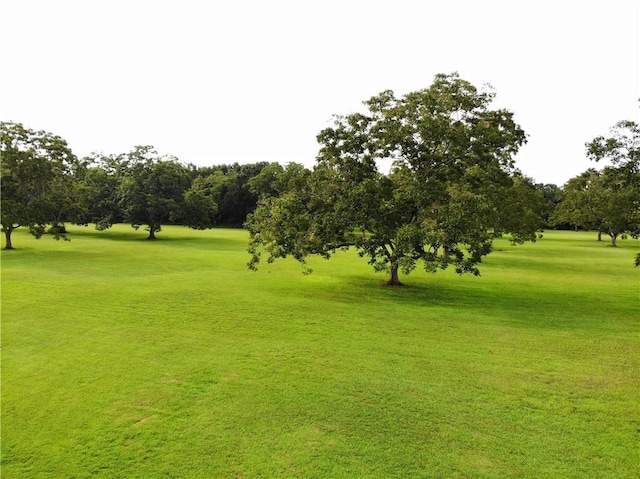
{"x": 99, "y": 182}
{"x": 524, "y": 209}
{"x": 618, "y": 202}
{"x": 265, "y": 183}
{"x": 608, "y": 201}
{"x": 152, "y": 189}
{"x": 200, "y": 209}
{"x": 622, "y": 149}
{"x": 552, "y": 195}
{"x": 603, "y": 201}
{"x": 34, "y": 174}
{"x": 230, "y": 186}
{"x": 452, "y": 187}
{"x": 274, "y": 179}
{"x": 66, "y": 199}
{"x": 576, "y": 207}
{"x": 226, "y": 191}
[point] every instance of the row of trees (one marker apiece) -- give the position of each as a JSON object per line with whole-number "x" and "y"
{"x": 452, "y": 187}
{"x": 44, "y": 186}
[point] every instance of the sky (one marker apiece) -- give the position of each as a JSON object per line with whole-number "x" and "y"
{"x": 214, "y": 82}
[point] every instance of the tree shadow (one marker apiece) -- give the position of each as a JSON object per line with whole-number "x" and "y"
{"x": 542, "y": 308}
{"x": 108, "y": 234}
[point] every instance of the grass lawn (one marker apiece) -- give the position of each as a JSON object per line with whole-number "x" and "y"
{"x": 124, "y": 358}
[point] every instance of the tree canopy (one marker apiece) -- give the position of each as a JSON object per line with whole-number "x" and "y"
{"x": 452, "y": 186}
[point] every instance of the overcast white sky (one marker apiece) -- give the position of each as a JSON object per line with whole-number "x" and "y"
{"x": 256, "y": 80}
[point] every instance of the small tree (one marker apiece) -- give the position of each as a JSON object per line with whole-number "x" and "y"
{"x": 36, "y": 166}
{"x": 451, "y": 190}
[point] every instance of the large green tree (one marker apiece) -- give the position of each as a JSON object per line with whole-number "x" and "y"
{"x": 35, "y": 177}
{"x": 452, "y": 187}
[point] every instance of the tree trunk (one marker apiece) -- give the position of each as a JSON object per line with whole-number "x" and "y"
{"x": 599, "y": 235}
{"x": 445, "y": 252}
{"x": 394, "y": 281}
{"x": 614, "y": 240}
{"x": 7, "y": 235}
{"x": 152, "y": 232}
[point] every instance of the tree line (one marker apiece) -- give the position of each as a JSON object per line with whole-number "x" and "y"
{"x": 451, "y": 189}
{"x": 44, "y": 185}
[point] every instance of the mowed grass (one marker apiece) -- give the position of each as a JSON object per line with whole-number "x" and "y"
{"x": 124, "y": 358}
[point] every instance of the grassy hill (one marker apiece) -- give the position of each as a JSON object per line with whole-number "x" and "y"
{"x": 128, "y": 358}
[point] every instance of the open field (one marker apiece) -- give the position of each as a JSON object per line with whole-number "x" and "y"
{"x": 124, "y": 358}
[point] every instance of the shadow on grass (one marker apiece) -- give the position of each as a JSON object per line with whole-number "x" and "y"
{"x": 542, "y": 308}
{"x": 108, "y": 234}
{"x": 172, "y": 237}
{"x": 367, "y": 288}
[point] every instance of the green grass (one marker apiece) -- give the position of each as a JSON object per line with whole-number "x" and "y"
{"x": 124, "y": 358}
